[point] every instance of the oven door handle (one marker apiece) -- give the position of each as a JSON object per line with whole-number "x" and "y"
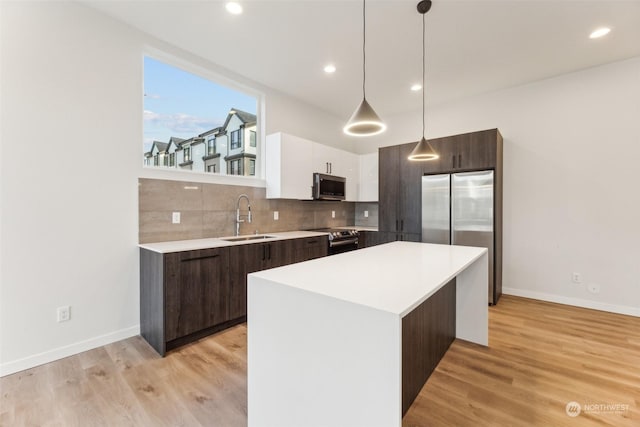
{"x": 333, "y": 243}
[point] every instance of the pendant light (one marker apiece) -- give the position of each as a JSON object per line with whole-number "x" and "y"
{"x": 364, "y": 121}
{"x": 423, "y": 149}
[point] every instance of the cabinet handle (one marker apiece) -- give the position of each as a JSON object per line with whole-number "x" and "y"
{"x": 327, "y": 166}
{"x": 402, "y": 225}
{"x": 269, "y": 250}
{"x": 459, "y": 160}
{"x": 200, "y": 257}
{"x": 264, "y": 252}
{"x": 330, "y": 167}
{"x": 453, "y": 161}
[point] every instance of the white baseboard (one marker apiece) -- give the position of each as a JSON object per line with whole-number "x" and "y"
{"x": 66, "y": 351}
{"x": 577, "y": 302}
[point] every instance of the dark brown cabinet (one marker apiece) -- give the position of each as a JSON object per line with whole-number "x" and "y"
{"x": 311, "y": 248}
{"x": 185, "y": 296}
{"x": 196, "y": 288}
{"x": 400, "y": 188}
{"x": 464, "y": 152}
{"x": 399, "y": 191}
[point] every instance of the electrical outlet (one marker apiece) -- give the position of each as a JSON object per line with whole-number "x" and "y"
{"x": 594, "y": 288}
{"x": 333, "y": 214}
{"x": 175, "y": 218}
{"x": 576, "y": 278}
{"x": 276, "y": 215}
{"x": 366, "y": 214}
{"x": 64, "y": 313}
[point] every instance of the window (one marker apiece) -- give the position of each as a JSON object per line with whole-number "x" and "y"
{"x": 211, "y": 168}
{"x": 252, "y": 167}
{"x": 181, "y": 107}
{"x": 235, "y": 167}
{"x": 236, "y": 139}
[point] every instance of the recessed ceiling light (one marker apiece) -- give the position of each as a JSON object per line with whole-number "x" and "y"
{"x": 416, "y": 87}
{"x": 600, "y": 32}
{"x": 330, "y": 69}
{"x": 234, "y": 8}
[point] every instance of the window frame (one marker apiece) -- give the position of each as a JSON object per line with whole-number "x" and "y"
{"x": 218, "y": 75}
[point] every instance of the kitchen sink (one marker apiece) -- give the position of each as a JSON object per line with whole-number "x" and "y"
{"x": 245, "y": 238}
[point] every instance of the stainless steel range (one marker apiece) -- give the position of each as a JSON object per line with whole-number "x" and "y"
{"x": 341, "y": 240}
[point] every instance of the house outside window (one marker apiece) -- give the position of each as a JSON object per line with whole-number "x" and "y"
{"x": 211, "y": 146}
{"x": 236, "y": 139}
{"x": 252, "y": 166}
{"x": 187, "y": 154}
{"x": 252, "y": 139}
{"x": 172, "y": 159}
{"x": 235, "y": 167}
{"x": 155, "y": 160}
{"x": 211, "y": 168}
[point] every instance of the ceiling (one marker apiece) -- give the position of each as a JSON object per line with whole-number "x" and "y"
{"x": 472, "y": 46}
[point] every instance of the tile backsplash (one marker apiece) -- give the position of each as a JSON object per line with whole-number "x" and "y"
{"x": 209, "y": 210}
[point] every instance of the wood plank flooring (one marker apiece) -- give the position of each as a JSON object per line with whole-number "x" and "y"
{"x": 540, "y": 357}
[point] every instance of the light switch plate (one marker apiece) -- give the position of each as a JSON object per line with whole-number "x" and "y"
{"x": 333, "y": 214}
{"x": 276, "y": 215}
{"x": 366, "y": 214}
{"x": 175, "y": 218}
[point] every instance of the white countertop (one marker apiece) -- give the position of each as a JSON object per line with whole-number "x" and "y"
{"x": 394, "y": 277}
{"x": 195, "y": 244}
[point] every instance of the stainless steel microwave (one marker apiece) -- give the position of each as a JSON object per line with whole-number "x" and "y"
{"x": 328, "y": 187}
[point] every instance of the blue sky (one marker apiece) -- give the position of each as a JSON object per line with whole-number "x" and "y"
{"x": 178, "y": 103}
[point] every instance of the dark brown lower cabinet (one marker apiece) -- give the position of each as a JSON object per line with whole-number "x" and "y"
{"x": 427, "y": 333}
{"x": 185, "y": 296}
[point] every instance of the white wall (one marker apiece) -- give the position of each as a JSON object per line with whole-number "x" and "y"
{"x": 571, "y": 197}
{"x": 71, "y": 85}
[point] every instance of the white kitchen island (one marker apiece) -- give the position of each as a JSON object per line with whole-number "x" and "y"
{"x": 330, "y": 339}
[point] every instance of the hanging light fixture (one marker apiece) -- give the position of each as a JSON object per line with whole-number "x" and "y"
{"x": 423, "y": 150}
{"x": 364, "y": 121}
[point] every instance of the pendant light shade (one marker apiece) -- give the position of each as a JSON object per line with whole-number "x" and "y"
{"x": 364, "y": 121}
{"x": 423, "y": 150}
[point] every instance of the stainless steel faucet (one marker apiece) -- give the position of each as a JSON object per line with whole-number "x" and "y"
{"x": 238, "y": 216}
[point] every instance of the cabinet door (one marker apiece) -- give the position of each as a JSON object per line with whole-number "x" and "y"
{"x": 388, "y": 182}
{"x": 310, "y": 248}
{"x": 289, "y": 171}
{"x": 243, "y": 259}
{"x": 326, "y": 159}
{"x": 409, "y": 192}
{"x": 280, "y": 253}
{"x": 196, "y": 287}
{"x": 482, "y": 150}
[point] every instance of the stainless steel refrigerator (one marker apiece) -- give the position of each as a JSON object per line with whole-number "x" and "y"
{"x": 458, "y": 209}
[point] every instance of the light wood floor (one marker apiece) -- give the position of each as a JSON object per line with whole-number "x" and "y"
{"x": 540, "y": 357}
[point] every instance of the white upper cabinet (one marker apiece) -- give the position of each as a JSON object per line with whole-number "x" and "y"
{"x": 288, "y": 167}
{"x": 291, "y": 162}
{"x": 368, "y": 182}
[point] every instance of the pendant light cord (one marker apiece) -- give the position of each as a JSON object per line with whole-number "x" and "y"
{"x": 423, "y": 72}
{"x": 364, "y": 43}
